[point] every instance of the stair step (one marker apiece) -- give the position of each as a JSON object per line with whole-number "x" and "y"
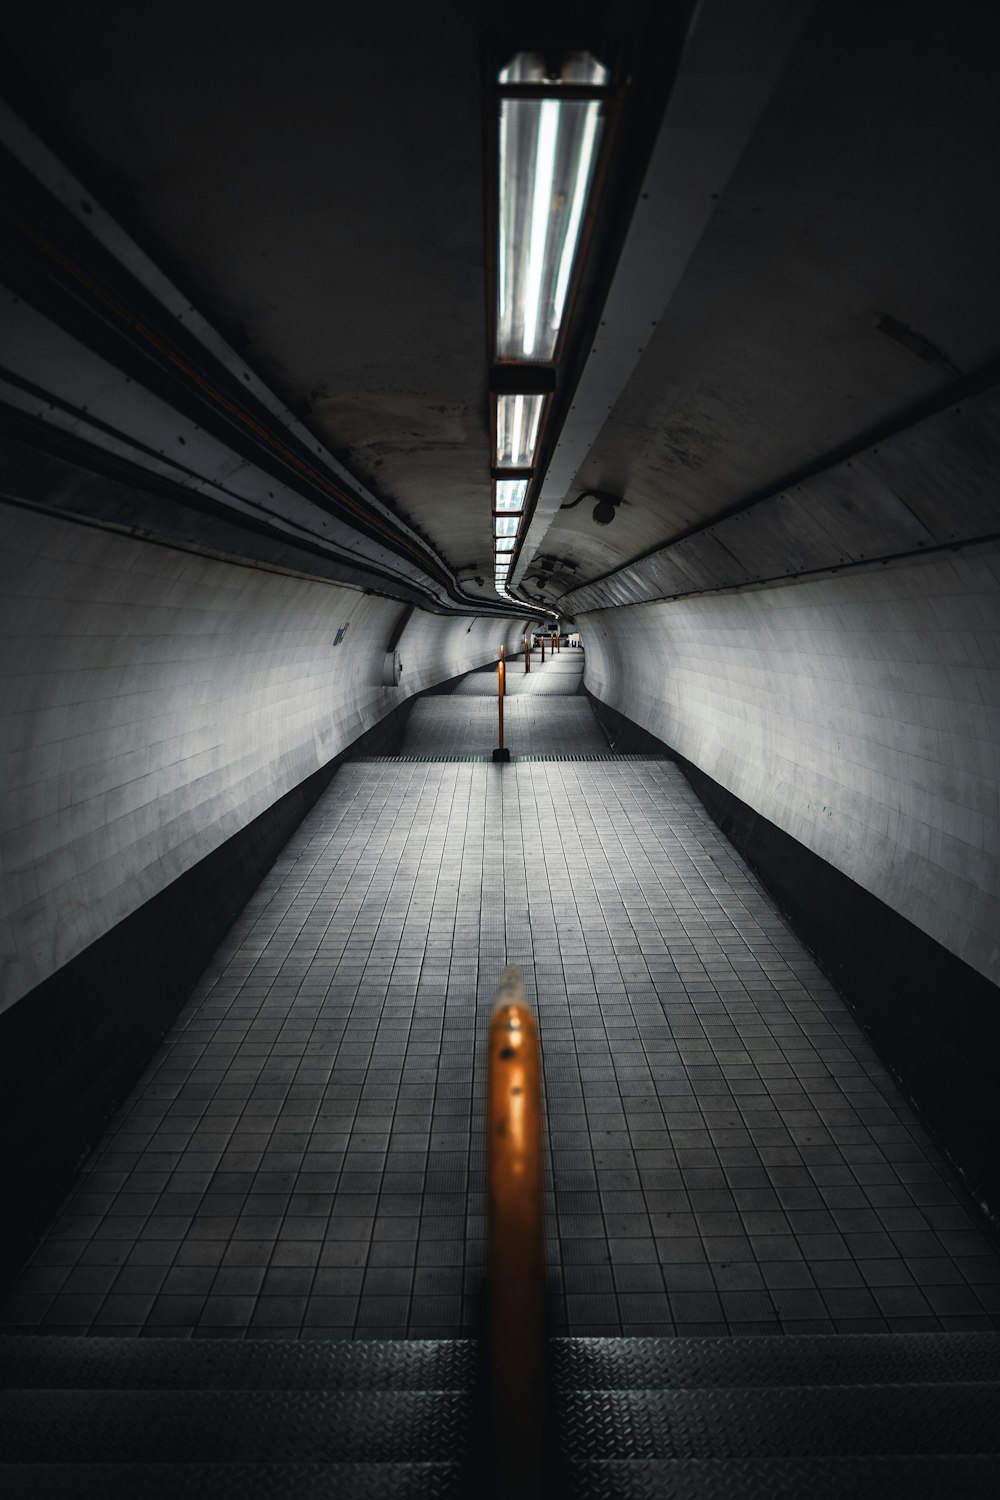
{"x": 780, "y": 1421}
{"x": 418, "y": 1481}
{"x": 59, "y": 1363}
{"x": 112, "y": 1426}
{"x": 788, "y": 1359}
{"x": 973, "y": 1477}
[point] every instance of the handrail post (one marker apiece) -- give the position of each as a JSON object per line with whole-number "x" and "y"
{"x": 515, "y": 1245}
{"x": 500, "y": 753}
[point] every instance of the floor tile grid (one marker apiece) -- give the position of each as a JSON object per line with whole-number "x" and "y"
{"x": 562, "y": 676}
{"x": 531, "y": 726}
{"x": 380, "y": 1310}
{"x": 756, "y": 1209}
{"x": 401, "y": 1250}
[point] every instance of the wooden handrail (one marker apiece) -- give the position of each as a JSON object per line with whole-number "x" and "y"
{"x": 515, "y": 1244}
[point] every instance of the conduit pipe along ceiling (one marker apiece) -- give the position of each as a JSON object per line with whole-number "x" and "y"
{"x": 550, "y": 123}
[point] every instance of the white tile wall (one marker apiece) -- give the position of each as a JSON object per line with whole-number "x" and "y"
{"x": 153, "y": 702}
{"x": 860, "y": 713}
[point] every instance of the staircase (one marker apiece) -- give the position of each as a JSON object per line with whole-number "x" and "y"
{"x": 809, "y": 1417}
{"x": 825, "y": 1418}
{"x": 158, "y": 1419}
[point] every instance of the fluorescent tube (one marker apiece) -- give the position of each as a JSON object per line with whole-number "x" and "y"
{"x": 583, "y": 171}
{"x": 541, "y": 209}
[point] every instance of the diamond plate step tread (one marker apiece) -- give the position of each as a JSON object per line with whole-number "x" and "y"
{"x": 62, "y": 1363}
{"x": 789, "y": 1359}
{"x": 226, "y": 1426}
{"x": 973, "y": 1477}
{"x": 780, "y": 1421}
{"x": 419, "y": 1481}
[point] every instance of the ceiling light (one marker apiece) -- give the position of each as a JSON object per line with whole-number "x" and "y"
{"x": 551, "y": 125}
{"x": 510, "y": 494}
{"x": 572, "y": 68}
{"x": 548, "y": 147}
{"x": 517, "y": 429}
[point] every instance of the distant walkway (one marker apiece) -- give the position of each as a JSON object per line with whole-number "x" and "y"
{"x": 533, "y": 725}
{"x": 560, "y": 675}
{"x": 545, "y": 712}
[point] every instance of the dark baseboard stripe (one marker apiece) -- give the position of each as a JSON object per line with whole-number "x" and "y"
{"x": 934, "y": 1020}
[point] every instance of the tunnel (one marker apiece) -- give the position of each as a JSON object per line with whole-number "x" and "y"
{"x": 493, "y": 487}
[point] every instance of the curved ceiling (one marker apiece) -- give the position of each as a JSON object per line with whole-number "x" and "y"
{"x": 312, "y": 177}
{"x": 848, "y": 274}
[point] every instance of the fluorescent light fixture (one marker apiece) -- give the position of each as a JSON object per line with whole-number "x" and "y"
{"x": 517, "y": 430}
{"x": 510, "y": 494}
{"x": 550, "y": 130}
{"x": 547, "y": 152}
{"x": 577, "y": 68}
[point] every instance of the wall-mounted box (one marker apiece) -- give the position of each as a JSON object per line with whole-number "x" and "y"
{"x": 392, "y": 669}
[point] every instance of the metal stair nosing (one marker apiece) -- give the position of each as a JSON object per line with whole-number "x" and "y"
{"x": 151, "y": 1419}
{"x": 780, "y": 1359}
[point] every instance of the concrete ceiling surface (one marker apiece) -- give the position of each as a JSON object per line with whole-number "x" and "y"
{"x": 313, "y": 178}
{"x": 932, "y": 486}
{"x": 861, "y": 195}
{"x": 861, "y": 199}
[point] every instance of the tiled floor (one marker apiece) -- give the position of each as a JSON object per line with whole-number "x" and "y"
{"x": 532, "y": 725}
{"x": 544, "y": 713}
{"x": 557, "y": 675}
{"x": 305, "y": 1153}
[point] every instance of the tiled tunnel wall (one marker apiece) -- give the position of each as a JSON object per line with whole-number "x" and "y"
{"x": 167, "y": 721}
{"x": 843, "y": 732}
{"x": 860, "y": 713}
{"x": 156, "y": 702}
